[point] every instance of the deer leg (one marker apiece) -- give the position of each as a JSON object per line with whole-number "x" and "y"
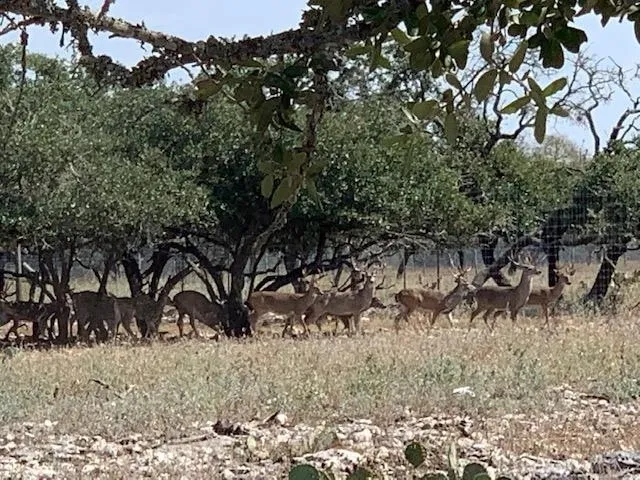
{"x": 287, "y": 326}
{"x": 545, "y": 311}
{"x": 180, "y": 324}
{"x": 485, "y": 317}
{"x": 305, "y": 327}
{"x": 192, "y": 322}
{"x": 474, "y": 314}
{"x": 450, "y": 318}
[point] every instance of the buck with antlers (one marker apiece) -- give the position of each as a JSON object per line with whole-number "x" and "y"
{"x": 345, "y": 304}
{"x": 197, "y": 307}
{"x": 413, "y": 299}
{"x": 293, "y": 305}
{"x": 490, "y": 299}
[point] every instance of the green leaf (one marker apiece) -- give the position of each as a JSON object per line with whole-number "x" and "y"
{"x": 471, "y": 470}
{"x": 295, "y": 71}
{"x": 415, "y": 453}
{"x": 426, "y": 110}
{"x": 571, "y": 38}
{"x": 554, "y": 87}
{"x": 412, "y": 118}
{"x": 206, "y": 88}
{"x": 283, "y": 192}
{"x": 453, "y": 80}
{"x": 559, "y": 111}
{"x": 400, "y": 37}
{"x": 516, "y": 105}
{"x": 420, "y": 44}
{"x": 518, "y": 56}
{"x": 485, "y": 84}
{"x": 293, "y": 161}
{"x": 266, "y": 186}
{"x": 529, "y": 18}
{"x": 357, "y": 50}
{"x": 316, "y": 167}
{"x": 536, "y": 92}
{"x": 312, "y": 190}
{"x": 486, "y": 47}
{"x": 304, "y": 472}
{"x": 504, "y": 77}
{"x": 540, "y": 128}
{"x": 360, "y": 473}
{"x": 392, "y": 140}
{"x": 451, "y": 128}
{"x": 460, "y": 52}
{"x": 437, "y": 68}
{"x": 552, "y": 54}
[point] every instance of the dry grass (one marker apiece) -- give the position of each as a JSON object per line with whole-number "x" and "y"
{"x": 163, "y": 388}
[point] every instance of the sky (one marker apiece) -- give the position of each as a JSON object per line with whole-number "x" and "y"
{"x": 197, "y": 19}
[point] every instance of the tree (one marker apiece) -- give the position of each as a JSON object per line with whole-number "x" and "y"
{"x": 67, "y": 190}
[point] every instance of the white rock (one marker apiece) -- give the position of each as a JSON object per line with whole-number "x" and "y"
{"x": 363, "y": 436}
{"x": 281, "y": 419}
{"x": 464, "y": 391}
{"x": 227, "y": 474}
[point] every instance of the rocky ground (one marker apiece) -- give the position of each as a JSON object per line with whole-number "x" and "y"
{"x": 561, "y": 444}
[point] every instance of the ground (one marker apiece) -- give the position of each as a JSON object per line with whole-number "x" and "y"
{"x": 520, "y": 399}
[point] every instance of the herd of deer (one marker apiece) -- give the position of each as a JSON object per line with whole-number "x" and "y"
{"x": 103, "y": 314}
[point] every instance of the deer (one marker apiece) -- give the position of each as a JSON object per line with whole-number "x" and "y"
{"x": 345, "y": 304}
{"x": 344, "y": 319}
{"x": 36, "y": 313}
{"x": 546, "y": 296}
{"x": 491, "y": 298}
{"x": 197, "y": 306}
{"x": 412, "y": 299}
{"x": 282, "y": 303}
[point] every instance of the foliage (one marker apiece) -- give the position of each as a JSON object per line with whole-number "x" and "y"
{"x": 415, "y": 454}
{"x": 63, "y": 184}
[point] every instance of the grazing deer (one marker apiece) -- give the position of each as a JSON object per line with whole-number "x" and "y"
{"x": 345, "y": 304}
{"x": 412, "y": 299}
{"x": 546, "y": 296}
{"x": 512, "y": 299}
{"x": 199, "y": 307}
{"x": 293, "y": 305}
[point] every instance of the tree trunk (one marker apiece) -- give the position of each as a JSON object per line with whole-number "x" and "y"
{"x": 290, "y": 264}
{"x": 134, "y": 278}
{"x": 237, "y": 311}
{"x": 552, "y": 252}
{"x": 607, "y": 268}
{"x": 461, "y": 259}
{"x": 487, "y": 250}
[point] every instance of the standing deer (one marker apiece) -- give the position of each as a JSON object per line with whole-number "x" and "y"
{"x": 512, "y": 299}
{"x": 546, "y": 296}
{"x": 345, "y": 304}
{"x": 198, "y": 307}
{"x": 36, "y": 313}
{"x": 344, "y": 319}
{"x": 412, "y": 299}
{"x": 293, "y": 305}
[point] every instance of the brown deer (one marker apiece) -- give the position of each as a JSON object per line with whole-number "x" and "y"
{"x": 293, "y": 305}
{"x": 197, "y": 307}
{"x": 412, "y": 299}
{"x": 345, "y": 304}
{"x": 546, "y": 296}
{"x": 36, "y": 313}
{"x": 491, "y": 298}
{"x": 344, "y": 319}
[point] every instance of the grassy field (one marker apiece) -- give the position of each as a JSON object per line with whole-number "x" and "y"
{"x": 164, "y": 387}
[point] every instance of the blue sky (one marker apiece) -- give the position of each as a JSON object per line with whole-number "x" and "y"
{"x": 197, "y": 19}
